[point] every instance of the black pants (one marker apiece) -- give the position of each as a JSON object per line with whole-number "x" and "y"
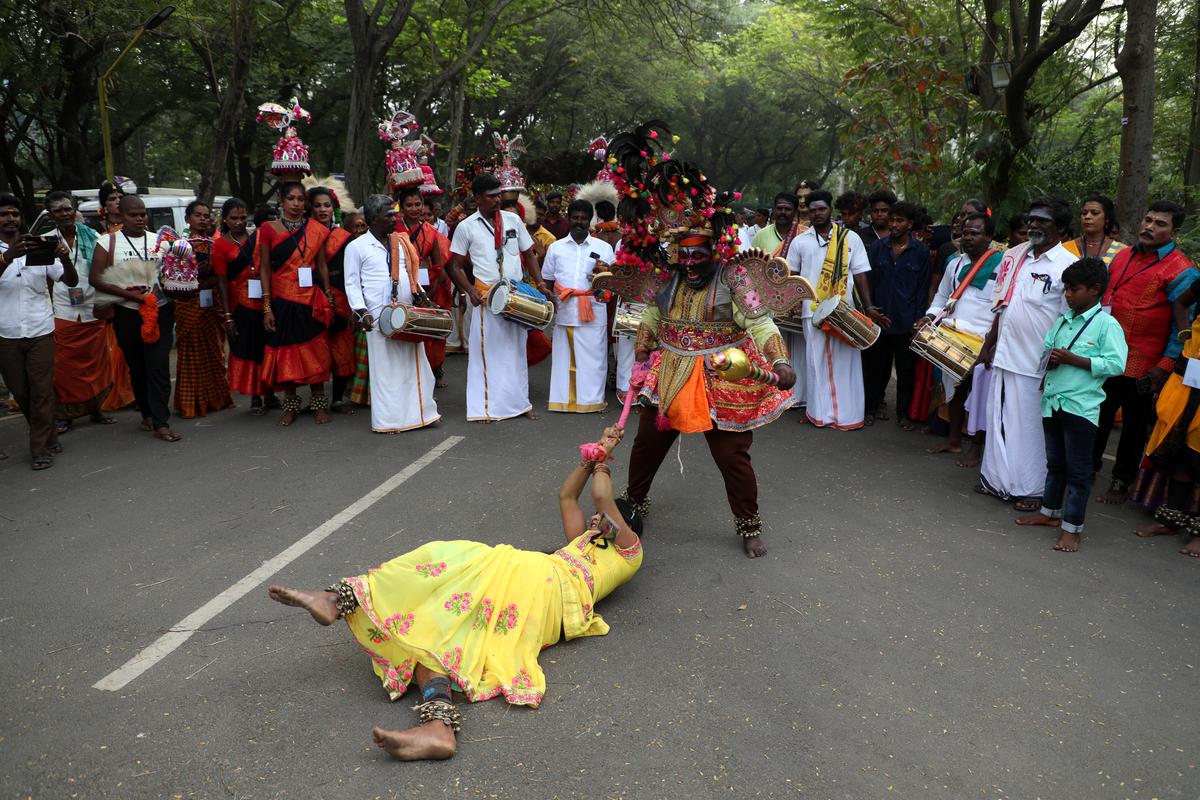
{"x": 149, "y": 364}
{"x": 1137, "y": 415}
{"x": 1068, "y": 473}
{"x": 877, "y": 363}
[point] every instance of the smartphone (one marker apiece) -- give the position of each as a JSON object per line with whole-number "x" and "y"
{"x": 41, "y": 250}
{"x": 608, "y": 527}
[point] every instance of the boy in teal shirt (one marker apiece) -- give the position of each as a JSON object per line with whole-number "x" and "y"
{"x": 1085, "y": 347}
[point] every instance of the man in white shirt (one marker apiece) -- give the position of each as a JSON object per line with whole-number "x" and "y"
{"x": 401, "y": 379}
{"x": 1029, "y": 299}
{"x": 580, "y": 356}
{"x": 833, "y": 382}
{"x": 970, "y": 313}
{"x": 493, "y": 245}
{"x": 125, "y": 268}
{"x": 27, "y": 326}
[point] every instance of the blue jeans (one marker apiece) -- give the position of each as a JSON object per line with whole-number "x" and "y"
{"x": 1069, "y": 442}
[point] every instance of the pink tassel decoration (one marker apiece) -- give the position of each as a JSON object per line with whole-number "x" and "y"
{"x": 593, "y": 451}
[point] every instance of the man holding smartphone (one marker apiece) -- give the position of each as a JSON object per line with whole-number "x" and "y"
{"x": 28, "y": 265}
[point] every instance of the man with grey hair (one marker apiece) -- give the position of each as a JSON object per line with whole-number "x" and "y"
{"x": 379, "y": 270}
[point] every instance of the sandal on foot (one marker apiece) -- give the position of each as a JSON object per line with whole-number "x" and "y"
{"x": 166, "y": 434}
{"x": 1027, "y": 504}
{"x": 102, "y": 419}
{"x": 42, "y": 462}
{"x": 61, "y": 426}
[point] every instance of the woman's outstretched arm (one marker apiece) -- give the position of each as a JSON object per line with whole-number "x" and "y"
{"x": 568, "y": 501}
{"x": 602, "y": 490}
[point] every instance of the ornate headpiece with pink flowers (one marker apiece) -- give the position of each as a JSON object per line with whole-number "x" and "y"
{"x": 511, "y": 179}
{"x": 403, "y": 164}
{"x": 429, "y": 184}
{"x": 290, "y": 157}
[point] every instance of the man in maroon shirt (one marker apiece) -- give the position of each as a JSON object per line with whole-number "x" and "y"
{"x": 1144, "y": 281}
{"x": 555, "y": 222}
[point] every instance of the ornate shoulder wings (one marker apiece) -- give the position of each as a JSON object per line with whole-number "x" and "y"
{"x": 762, "y": 284}
{"x": 631, "y": 282}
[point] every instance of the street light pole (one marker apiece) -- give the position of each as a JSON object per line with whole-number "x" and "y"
{"x": 102, "y": 84}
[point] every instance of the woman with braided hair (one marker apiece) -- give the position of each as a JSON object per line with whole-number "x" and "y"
{"x": 470, "y": 617}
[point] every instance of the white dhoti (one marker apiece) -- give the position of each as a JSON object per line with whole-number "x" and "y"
{"x": 579, "y": 367}
{"x": 401, "y": 385}
{"x": 795, "y": 346}
{"x": 834, "y": 380}
{"x": 625, "y": 354}
{"x": 459, "y": 320}
{"x": 977, "y": 402}
{"x": 1014, "y": 460}
{"x": 497, "y": 369}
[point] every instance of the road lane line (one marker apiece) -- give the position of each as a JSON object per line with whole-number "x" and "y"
{"x": 183, "y": 630}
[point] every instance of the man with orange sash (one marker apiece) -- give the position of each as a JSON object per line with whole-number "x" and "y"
{"x": 494, "y": 245}
{"x": 580, "y": 365}
{"x": 381, "y": 268}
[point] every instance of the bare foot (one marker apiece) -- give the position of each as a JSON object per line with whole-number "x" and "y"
{"x": 1067, "y": 542}
{"x": 433, "y": 741}
{"x": 1039, "y": 519}
{"x": 1155, "y": 530}
{"x": 345, "y": 408}
{"x": 944, "y": 447}
{"x": 972, "y": 459}
{"x": 533, "y": 415}
{"x": 754, "y": 546}
{"x": 288, "y": 418}
{"x": 1192, "y": 548}
{"x": 321, "y": 417}
{"x": 319, "y": 604}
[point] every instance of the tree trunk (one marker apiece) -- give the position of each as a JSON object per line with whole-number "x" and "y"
{"x": 456, "y": 134}
{"x": 360, "y": 119}
{"x": 1135, "y": 64}
{"x": 233, "y": 101}
{"x": 1191, "y": 164}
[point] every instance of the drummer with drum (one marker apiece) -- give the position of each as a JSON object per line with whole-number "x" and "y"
{"x": 840, "y": 322}
{"x": 495, "y": 248}
{"x": 951, "y": 333}
{"x": 380, "y": 270}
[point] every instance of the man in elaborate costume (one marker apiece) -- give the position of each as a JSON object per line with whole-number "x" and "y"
{"x": 703, "y": 301}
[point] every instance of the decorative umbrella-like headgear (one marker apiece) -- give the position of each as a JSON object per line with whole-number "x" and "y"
{"x": 511, "y": 179}
{"x": 290, "y": 157}
{"x": 403, "y": 167}
{"x": 429, "y": 184}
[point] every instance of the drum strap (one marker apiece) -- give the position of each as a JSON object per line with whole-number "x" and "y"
{"x": 961, "y": 289}
{"x": 397, "y": 242}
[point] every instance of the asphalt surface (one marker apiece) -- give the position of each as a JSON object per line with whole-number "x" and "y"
{"x": 901, "y": 639}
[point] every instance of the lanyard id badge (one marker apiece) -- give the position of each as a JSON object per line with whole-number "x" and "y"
{"x": 254, "y": 289}
{"x": 304, "y": 277}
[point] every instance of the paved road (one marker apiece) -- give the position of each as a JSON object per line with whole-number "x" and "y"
{"x": 902, "y": 639}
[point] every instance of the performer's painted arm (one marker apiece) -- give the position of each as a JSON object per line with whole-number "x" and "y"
{"x": 647, "y": 333}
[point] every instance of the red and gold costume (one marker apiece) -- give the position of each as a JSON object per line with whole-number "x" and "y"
{"x": 341, "y": 332}
{"x": 297, "y": 352}
{"x": 236, "y": 262}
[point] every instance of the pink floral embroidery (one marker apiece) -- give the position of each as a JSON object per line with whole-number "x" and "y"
{"x": 521, "y": 690}
{"x": 377, "y": 636}
{"x": 574, "y": 561}
{"x": 432, "y": 570}
{"x": 458, "y": 604}
{"x": 483, "y": 614}
{"x": 452, "y": 661}
{"x": 506, "y": 620}
{"x": 632, "y": 552}
{"x": 399, "y": 624}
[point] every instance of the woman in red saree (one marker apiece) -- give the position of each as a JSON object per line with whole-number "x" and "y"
{"x": 241, "y": 290}
{"x": 201, "y": 329}
{"x": 297, "y": 309}
{"x": 434, "y": 250}
{"x": 321, "y": 202}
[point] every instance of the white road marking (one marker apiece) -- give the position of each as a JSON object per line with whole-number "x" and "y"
{"x": 183, "y": 630}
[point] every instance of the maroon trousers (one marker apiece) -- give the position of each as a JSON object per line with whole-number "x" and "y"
{"x": 730, "y": 450}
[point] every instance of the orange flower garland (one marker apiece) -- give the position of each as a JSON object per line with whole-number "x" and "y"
{"x": 149, "y": 311}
